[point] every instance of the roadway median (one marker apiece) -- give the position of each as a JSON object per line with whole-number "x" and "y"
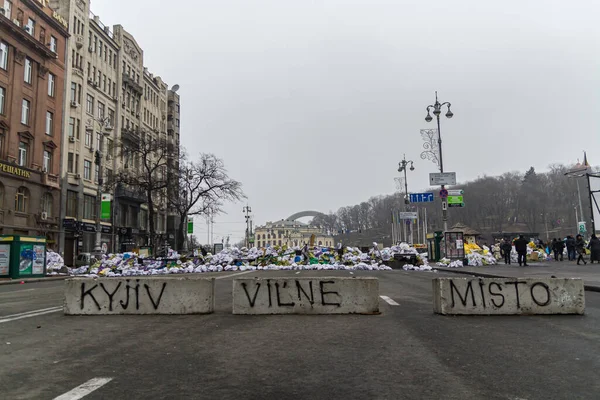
{"x": 307, "y": 295}
{"x": 508, "y": 296}
{"x": 139, "y": 295}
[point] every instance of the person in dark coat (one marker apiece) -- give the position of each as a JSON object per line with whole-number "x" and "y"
{"x": 580, "y": 248}
{"x": 570, "y": 243}
{"x": 521, "y": 248}
{"x": 559, "y": 248}
{"x": 554, "y": 248}
{"x": 505, "y": 249}
{"x": 594, "y": 247}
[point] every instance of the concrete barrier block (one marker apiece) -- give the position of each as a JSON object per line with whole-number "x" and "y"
{"x": 504, "y": 296}
{"x": 316, "y": 295}
{"x": 139, "y": 295}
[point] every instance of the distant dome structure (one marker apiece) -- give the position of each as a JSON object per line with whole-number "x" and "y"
{"x": 303, "y": 214}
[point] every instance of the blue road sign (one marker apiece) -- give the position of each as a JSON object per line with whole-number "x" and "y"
{"x": 421, "y": 197}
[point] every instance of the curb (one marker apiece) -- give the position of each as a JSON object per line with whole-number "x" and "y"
{"x": 589, "y": 288}
{"x": 33, "y": 280}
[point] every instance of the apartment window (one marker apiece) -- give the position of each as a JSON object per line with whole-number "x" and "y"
{"x": 90, "y": 40}
{"x": 87, "y": 169}
{"x": 22, "y": 199}
{"x": 47, "y": 202}
{"x": 89, "y": 206}
{"x": 101, "y": 48}
{"x": 111, "y": 117}
{"x": 73, "y": 91}
{"x": 77, "y": 128}
{"x": 70, "y": 163}
{"x": 110, "y": 148}
{"x": 109, "y": 87}
{"x": 30, "y": 26}
{"x": 3, "y": 55}
{"x": 7, "y": 9}
{"x": 177, "y": 122}
{"x": 72, "y": 203}
{"x": 49, "y": 123}
{"x": 53, "y": 44}
{"x": 78, "y": 94}
{"x": 23, "y": 150}
{"x": 98, "y": 141}
{"x": 27, "y": 73}
{"x": 99, "y": 81}
{"x": 101, "y": 110}
{"x": 104, "y": 83}
{"x": 51, "y": 83}
{"x": 97, "y": 173}
{"x": 76, "y": 163}
{"x": 71, "y": 127}
{"x": 95, "y": 44}
{"x": 25, "y": 108}
{"x": 47, "y": 163}
{"x": 2, "y": 95}
{"x": 89, "y": 67}
{"x": 88, "y": 138}
{"x": 110, "y": 57}
{"x": 114, "y": 89}
{"x": 89, "y": 105}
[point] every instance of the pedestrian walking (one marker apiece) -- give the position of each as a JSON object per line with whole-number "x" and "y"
{"x": 505, "y": 249}
{"x": 521, "y": 248}
{"x": 594, "y": 247}
{"x": 559, "y": 248}
{"x": 570, "y": 243}
{"x": 580, "y": 248}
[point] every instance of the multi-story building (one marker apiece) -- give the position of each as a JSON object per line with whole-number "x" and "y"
{"x": 89, "y": 130}
{"x": 112, "y": 101}
{"x": 32, "y": 68}
{"x": 291, "y": 233}
{"x": 173, "y": 132}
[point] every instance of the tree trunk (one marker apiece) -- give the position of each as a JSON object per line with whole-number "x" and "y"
{"x": 151, "y": 222}
{"x": 181, "y": 233}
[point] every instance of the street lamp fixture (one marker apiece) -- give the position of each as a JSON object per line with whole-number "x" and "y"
{"x": 437, "y": 110}
{"x": 402, "y": 168}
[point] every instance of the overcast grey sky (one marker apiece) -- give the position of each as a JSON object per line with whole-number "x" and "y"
{"x": 312, "y": 103}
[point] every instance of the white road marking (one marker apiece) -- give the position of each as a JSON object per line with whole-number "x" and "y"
{"x": 84, "y": 389}
{"x": 35, "y": 313}
{"x": 351, "y": 273}
{"x": 389, "y": 301}
{"x": 17, "y": 291}
{"x": 297, "y": 272}
{"x": 236, "y": 274}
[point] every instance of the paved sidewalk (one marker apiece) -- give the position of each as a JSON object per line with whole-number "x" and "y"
{"x": 8, "y": 281}
{"x": 590, "y": 273}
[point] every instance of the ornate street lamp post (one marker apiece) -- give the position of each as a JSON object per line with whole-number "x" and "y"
{"x": 402, "y": 168}
{"x": 437, "y": 110}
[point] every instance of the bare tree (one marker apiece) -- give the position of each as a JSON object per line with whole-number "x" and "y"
{"x": 146, "y": 158}
{"x": 203, "y": 187}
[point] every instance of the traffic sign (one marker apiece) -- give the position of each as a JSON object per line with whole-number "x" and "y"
{"x": 456, "y": 192}
{"x": 455, "y": 199}
{"x": 421, "y": 197}
{"x": 443, "y": 193}
{"x": 442, "y": 178}
{"x": 407, "y": 215}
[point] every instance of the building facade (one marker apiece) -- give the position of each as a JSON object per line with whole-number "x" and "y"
{"x": 112, "y": 101}
{"x": 290, "y": 233}
{"x": 33, "y": 42}
{"x": 173, "y": 131}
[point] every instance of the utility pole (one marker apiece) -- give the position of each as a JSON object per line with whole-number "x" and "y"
{"x": 248, "y": 210}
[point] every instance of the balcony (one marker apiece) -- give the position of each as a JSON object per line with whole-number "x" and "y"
{"x": 130, "y": 194}
{"x": 50, "y": 180}
{"x": 133, "y": 84}
{"x": 130, "y": 135}
{"x": 79, "y": 41}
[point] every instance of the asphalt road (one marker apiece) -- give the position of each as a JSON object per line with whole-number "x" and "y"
{"x": 407, "y": 352}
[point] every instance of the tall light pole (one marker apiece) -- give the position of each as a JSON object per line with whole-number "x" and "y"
{"x": 247, "y": 210}
{"x": 402, "y": 168}
{"x": 437, "y": 110}
{"x": 104, "y": 124}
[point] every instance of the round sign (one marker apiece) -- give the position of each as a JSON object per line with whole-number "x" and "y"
{"x": 443, "y": 193}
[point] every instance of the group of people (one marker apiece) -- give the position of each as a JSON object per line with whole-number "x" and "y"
{"x": 575, "y": 249}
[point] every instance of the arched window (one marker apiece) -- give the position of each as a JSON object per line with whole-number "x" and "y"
{"x": 320, "y": 243}
{"x": 47, "y": 202}
{"x": 22, "y": 199}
